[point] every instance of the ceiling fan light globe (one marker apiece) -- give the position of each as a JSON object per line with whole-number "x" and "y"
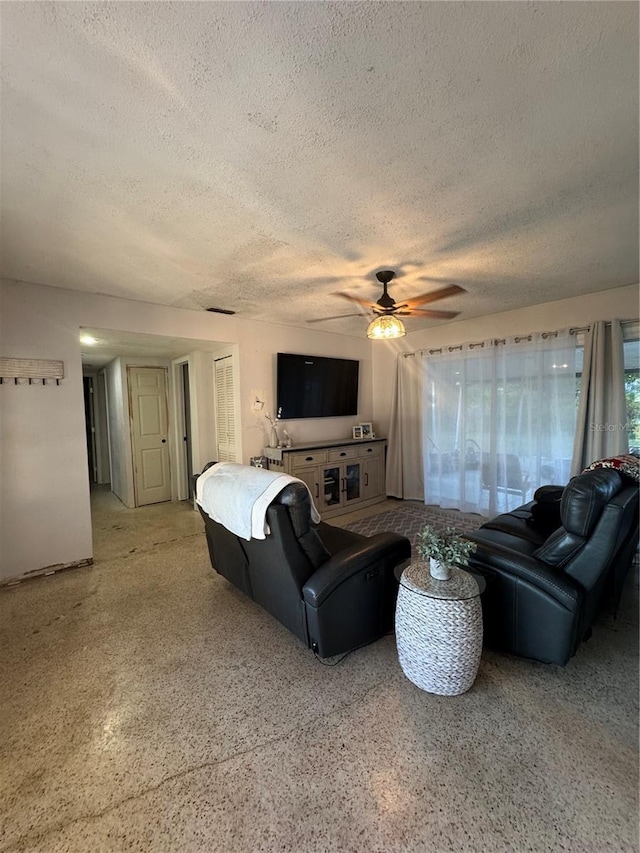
{"x": 386, "y": 327}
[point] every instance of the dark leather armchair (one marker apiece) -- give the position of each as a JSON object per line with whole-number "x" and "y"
{"x": 552, "y": 564}
{"x": 334, "y": 589}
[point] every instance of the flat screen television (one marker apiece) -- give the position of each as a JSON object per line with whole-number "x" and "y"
{"x": 310, "y": 386}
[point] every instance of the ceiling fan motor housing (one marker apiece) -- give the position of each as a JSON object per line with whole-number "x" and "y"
{"x": 384, "y": 277}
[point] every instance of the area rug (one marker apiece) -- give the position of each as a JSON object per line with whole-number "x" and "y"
{"x": 409, "y": 520}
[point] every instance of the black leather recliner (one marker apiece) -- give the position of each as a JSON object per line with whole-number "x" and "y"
{"x": 334, "y": 589}
{"x": 553, "y": 563}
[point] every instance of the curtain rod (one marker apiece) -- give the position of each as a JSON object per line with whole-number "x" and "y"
{"x": 518, "y": 338}
{"x": 574, "y": 331}
{"x": 495, "y": 341}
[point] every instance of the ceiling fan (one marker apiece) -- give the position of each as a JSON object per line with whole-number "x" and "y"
{"x": 386, "y": 323}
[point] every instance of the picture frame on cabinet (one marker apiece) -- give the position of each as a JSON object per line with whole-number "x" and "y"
{"x": 367, "y": 430}
{"x": 357, "y": 431}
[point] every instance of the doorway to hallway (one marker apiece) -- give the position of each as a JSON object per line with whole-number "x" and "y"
{"x": 149, "y": 434}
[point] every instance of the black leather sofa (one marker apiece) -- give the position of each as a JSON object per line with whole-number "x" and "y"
{"x": 334, "y": 589}
{"x": 552, "y": 564}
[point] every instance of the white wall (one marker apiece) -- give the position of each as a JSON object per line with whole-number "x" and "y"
{"x": 44, "y": 495}
{"x": 619, "y": 303}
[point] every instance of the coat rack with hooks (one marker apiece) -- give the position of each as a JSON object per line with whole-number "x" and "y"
{"x": 35, "y": 370}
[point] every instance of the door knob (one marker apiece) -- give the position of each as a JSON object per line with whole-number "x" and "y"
{"x": 164, "y": 440}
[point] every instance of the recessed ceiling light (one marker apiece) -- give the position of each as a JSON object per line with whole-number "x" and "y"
{"x": 87, "y": 339}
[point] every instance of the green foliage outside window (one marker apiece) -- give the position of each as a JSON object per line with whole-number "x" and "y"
{"x": 632, "y": 394}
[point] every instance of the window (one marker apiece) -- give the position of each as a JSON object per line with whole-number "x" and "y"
{"x": 499, "y": 421}
{"x": 632, "y": 386}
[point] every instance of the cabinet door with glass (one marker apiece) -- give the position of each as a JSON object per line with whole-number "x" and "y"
{"x": 352, "y": 482}
{"x": 341, "y": 484}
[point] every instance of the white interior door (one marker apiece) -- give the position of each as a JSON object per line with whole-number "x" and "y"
{"x": 149, "y": 434}
{"x": 225, "y": 410}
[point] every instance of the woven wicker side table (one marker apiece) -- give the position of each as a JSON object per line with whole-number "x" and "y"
{"x": 439, "y": 629}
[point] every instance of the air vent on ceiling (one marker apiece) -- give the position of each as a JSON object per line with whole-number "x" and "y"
{"x": 220, "y": 311}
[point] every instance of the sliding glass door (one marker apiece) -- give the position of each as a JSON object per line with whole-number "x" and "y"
{"x": 499, "y": 420}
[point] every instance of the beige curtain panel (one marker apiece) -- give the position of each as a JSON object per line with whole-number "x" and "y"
{"x": 404, "y": 459}
{"x": 601, "y": 429}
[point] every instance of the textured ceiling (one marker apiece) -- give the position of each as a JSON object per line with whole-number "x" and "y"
{"x": 261, "y": 156}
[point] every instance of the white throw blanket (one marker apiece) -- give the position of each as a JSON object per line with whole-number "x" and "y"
{"x": 237, "y": 496}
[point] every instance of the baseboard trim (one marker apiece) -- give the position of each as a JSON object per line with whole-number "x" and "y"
{"x": 46, "y": 571}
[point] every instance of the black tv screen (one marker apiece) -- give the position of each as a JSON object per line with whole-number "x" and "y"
{"x": 309, "y": 386}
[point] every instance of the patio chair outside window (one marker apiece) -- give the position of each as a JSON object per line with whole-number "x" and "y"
{"x": 505, "y": 476}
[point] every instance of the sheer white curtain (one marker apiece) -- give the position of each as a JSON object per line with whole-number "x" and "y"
{"x": 499, "y": 421}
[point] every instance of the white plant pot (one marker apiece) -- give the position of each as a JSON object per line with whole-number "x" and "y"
{"x": 438, "y": 570}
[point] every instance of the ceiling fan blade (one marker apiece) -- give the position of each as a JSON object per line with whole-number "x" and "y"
{"x": 452, "y": 290}
{"x": 428, "y": 312}
{"x": 335, "y": 317}
{"x": 370, "y": 305}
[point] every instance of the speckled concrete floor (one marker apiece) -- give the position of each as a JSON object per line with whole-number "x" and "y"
{"x": 147, "y": 705}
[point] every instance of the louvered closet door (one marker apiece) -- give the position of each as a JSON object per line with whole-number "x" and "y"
{"x": 225, "y": 410}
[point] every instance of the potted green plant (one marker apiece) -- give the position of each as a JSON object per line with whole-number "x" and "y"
{"x": 443, "y": 549}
